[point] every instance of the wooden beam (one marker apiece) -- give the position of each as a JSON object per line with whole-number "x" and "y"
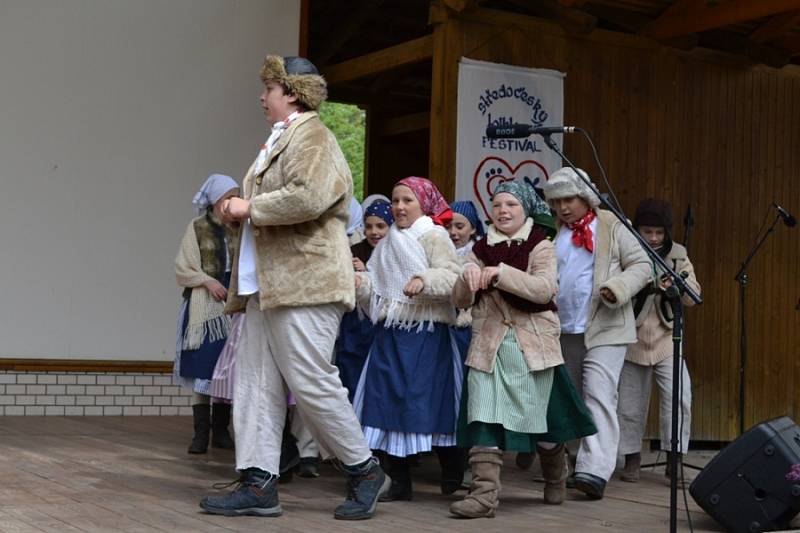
{"x": 672, "y": 24}
{"x": 790, "y": 43}
{"x": 635, "y": 22}
{"x": 405, "y": 124}
{"x": 348, "y": 30}
{"x": 572, "y": 20}
{"x": 740, "y": 44}
{"x": 572, "y": 3}
{"x": 775, "y": 27}
{"x": 414, "y": 51}
{"x": 458, "y": 5}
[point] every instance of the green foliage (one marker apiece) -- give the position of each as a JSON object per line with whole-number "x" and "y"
{"x": 348, "y": 124}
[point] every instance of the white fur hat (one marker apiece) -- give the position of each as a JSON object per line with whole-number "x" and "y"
{"x": 564, "y": 183}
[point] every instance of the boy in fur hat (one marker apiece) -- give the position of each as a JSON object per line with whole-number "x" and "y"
{"x": 293, "y": 276}
{"x": 601, "y": 267}
{"x": 652, "y": 353}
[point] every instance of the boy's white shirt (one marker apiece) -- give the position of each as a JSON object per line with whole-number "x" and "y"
{"x": 575, "y": 279}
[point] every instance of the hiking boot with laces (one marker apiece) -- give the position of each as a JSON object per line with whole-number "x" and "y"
{"x": 255, "y": 494}
{"x": 363, "y": 490}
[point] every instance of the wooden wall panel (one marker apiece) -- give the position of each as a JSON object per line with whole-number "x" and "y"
{"x": 699, "y": 129}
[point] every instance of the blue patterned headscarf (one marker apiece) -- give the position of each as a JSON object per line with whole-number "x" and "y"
{"x": 532, "y": 203}
{"x": 380, "y": 209}
{"x": 467, "y": 209}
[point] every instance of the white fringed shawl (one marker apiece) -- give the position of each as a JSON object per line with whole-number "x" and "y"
{"x": 397, "y": 258}
{"x": 206, "y": 315}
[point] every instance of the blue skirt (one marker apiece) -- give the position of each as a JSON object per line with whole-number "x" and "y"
{"x": 409, "y": 382}
{"x": 352, "y": 347}
{"x": 463, "y": 337}
{"x": 200, "y": 363}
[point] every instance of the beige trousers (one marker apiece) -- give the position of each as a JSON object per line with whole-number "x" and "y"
{"x": 595, "y": 373}
{"x": 291, "y": 347}
{"x": 634, "y": 401}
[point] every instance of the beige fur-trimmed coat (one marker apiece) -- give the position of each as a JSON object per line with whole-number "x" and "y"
{"x": 537, "y": 333}
{"x": 622, "y": 266}
{"x": 299, "y": 204}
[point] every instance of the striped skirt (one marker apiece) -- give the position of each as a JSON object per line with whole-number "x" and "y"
{"x": 511, "y": 395}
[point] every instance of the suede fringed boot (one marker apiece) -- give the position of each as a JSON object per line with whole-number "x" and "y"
{"x": 555, "y": 472}
{"x": 483, "y": 497}
{"x": 633, "y": 467}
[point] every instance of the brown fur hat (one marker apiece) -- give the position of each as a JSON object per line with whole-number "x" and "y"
{"x": 299, "y": 77}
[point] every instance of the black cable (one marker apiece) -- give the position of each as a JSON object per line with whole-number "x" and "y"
{"x": 600, "y": 167}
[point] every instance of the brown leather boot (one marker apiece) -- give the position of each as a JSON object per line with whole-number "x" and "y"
{"x": 555, "y": 472}
{"x": 482, "y": 500}
{"x": 633, "y": 466}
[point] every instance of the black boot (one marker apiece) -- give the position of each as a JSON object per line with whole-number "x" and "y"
{"x": 220, "y": 419}
{"x": 202, "y": 426}
{"x": 400, "y": 472}
{"x": 453, "y": 463}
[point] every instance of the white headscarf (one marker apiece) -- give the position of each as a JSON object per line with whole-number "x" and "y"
{"x": 356, "y": 220}
{"x": 215, "y": 187}
{"x": 371, "y": 199}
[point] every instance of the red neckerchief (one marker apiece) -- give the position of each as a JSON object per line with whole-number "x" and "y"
{"x": 582, "y": 233}
{"x": 443, "y": 218}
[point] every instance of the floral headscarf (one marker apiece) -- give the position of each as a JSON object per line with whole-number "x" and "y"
{"x": 430, "y": 199}
{"x": 532, "y": 203}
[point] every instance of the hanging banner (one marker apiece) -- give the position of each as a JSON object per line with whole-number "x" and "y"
{"x": 490, "y": 93}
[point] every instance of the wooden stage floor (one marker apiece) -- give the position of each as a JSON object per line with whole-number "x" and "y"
{"x": 62, "y": 474}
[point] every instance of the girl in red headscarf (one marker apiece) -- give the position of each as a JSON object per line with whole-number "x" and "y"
{"x": 410, "y": 388}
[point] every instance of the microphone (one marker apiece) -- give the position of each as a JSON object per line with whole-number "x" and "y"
{"x": 520, "y": 131}
{"x": 788, "y": 219}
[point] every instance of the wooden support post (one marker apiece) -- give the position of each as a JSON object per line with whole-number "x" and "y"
{"x": 444, "y": 101}
{"x": 407, "y": 53}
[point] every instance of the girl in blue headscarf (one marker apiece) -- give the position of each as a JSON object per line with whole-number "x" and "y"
{"x": 356, "y": 332}
{"x": 466, "y": 226}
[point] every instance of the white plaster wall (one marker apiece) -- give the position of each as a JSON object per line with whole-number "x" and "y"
{"x": 112, "y": 113}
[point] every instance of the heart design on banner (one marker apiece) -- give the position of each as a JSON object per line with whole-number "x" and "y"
{"x": 493, "y": 170}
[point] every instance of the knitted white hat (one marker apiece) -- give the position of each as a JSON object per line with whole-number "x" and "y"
{"x": 564, "y": 183}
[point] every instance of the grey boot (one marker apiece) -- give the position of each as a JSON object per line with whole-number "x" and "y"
{"x": 483, "y": 497}
{"x": 633, "y": 466}
{"x": 555, "y": 471}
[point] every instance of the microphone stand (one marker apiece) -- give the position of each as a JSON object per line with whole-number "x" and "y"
{"x": 673, "y": 293}
{"x": 742, "y": 278}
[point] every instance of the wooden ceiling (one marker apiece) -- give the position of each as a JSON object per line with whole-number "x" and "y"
{"x": 762, "y": 31}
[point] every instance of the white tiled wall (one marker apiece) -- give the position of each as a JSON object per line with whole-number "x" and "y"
{"x": 91, "y": 393}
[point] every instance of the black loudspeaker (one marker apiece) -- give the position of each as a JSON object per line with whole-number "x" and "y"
{"x": 753, "y": 484}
